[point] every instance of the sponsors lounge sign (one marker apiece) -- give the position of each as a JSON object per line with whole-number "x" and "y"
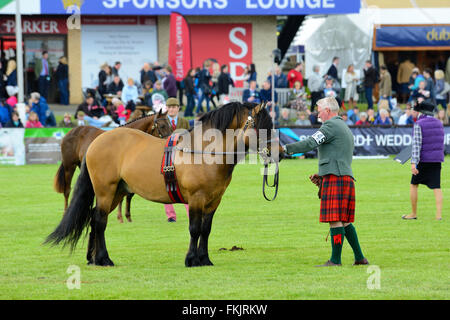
{"x": 202, "y": 7}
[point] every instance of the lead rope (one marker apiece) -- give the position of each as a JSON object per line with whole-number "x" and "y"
{"x": 275, "y": 181}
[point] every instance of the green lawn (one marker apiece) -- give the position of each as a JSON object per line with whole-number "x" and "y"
{"x": 282, "y": 242}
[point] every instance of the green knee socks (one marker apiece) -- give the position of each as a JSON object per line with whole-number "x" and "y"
{"x": 337, "y": 240}
{"x": 352, "y": 238}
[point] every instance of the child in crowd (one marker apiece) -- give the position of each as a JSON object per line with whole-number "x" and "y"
{"x": 33, "y": 121}
{"x": 302, "y": 119}
{"x": 66, "y": 122}
{"x": 123, "y": 114}
{"x": 15, "y": 121}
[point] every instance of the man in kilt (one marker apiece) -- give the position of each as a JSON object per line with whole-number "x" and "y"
{"x": 334, "y": 141}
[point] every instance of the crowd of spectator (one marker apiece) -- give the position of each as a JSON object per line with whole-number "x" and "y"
{"x": 114, "y": 101}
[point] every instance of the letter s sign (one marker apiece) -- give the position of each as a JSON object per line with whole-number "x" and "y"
{"x": 239, "y": 42}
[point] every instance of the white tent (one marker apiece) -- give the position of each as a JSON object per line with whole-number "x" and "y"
{"x": 350, "y": 36}
{"x": 339, "y": 36}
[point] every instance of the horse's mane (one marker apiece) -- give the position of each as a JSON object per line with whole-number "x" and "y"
{"x": 137, "y": 119}
{"x": 222, "y": 118}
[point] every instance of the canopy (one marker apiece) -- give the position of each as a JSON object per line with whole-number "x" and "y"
{"x": 338, "y": 36}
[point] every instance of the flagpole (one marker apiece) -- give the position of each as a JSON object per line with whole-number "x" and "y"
{"x": 19, "y": 53}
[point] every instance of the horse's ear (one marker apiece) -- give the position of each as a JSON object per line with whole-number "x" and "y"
{"x": 160, "y": 112}
{"x": 258, "y": 108}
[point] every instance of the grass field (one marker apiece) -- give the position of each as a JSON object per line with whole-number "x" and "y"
{"x": 282, "y": 242}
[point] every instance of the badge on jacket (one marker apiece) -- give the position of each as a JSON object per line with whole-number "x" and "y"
{"x": 319, "y": 137}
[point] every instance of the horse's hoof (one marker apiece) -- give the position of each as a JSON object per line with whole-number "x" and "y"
{"x": 129, "y": 220}
{"x": 104, "y": 262}
{"x": 192, "y": 262}
{"x": 206, "y": 262}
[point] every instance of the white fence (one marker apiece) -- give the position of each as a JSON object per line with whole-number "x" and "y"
{"x": 236, "y": 94}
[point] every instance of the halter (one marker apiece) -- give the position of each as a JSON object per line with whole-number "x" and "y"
{"x": 155, "y": 125}
{"x": 264, "y": 153}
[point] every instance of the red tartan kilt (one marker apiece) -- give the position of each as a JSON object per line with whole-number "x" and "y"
{"x": 338, "y": 199}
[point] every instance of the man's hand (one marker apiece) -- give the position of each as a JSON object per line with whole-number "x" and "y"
{"x": 414, "y": 169}
{"x": 316, "y": 179}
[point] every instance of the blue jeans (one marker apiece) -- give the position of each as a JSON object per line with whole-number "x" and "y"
{"x": 200, "y": 100}
{"x": 44, "y": 84}
{"x": 190, "y": 105}
{"x": 64, "y": 98}
{"x": 368, "y": 92}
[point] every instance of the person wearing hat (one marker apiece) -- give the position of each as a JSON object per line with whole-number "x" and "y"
{"x": 178, "y": 123}
{"x": 66, "y": 122}
{"x": 80, "y": 118}
{"x": 427, "y": 157}
{"x": 335, "y": 143}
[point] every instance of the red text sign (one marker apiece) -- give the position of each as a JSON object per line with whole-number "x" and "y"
{"x": 229, "y": 44}
{"x": 35, "y": 25}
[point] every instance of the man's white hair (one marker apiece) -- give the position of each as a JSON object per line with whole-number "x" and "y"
{"x": 35, "y": 95}
{"x": 330, "y": 103}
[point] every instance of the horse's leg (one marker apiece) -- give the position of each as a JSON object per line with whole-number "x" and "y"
{"x": 106, "y": 202}
{"x": 91, "y": 243}
{"x": 127, "y": 212}
{"x": 119, "y": 212}
{"x": 101, "y": 257}
{"x": 203, "y": 245}
{"x": 68, "y": 175}
{"x": 195, "y": 225}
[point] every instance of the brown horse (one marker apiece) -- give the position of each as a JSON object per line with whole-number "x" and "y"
{"x": 134, "y": 165}
{"x": 75, "y": 144}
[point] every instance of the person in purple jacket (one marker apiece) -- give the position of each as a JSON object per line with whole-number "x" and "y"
{"x": 427, "y": 157}
{"x": 170, "y": 83}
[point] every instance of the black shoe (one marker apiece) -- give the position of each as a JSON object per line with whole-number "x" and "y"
{"x": 361, "y": 262}
{"x": 171, "y": 220}
{"x": 329, "y": 263}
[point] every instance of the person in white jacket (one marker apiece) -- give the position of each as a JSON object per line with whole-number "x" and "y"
{"x": 351, "y": 80}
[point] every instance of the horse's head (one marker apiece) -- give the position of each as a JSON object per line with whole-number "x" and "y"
{"x": 161, "y": 126}
{"x": 259, "y": 122}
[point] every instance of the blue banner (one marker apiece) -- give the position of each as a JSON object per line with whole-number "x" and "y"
{"x": 201, "y": 7}
{"x": 412, "y": 36}
{"x": 369, "y": 141}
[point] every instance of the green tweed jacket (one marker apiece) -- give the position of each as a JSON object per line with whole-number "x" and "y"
{"x": 335, "y": 144}
{"x": 182, "y": 123}
{"x": 38, "y": 68}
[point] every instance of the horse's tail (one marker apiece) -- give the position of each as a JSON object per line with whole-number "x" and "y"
{"x": 79, "y": 213}
{"x": 59, "y": 183}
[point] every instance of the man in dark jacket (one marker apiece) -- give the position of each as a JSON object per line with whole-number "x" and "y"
{"x": 170, "y": 83}
{"x": 333, "y": 71}
{"x": 224, "y": 82}
{"x": 371, "y": 77}
{"x": 147, "y": 74}
{"x": 90, "y": 108}
{"x": 251, "y": 94}
{"x": 116, "y": 86}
